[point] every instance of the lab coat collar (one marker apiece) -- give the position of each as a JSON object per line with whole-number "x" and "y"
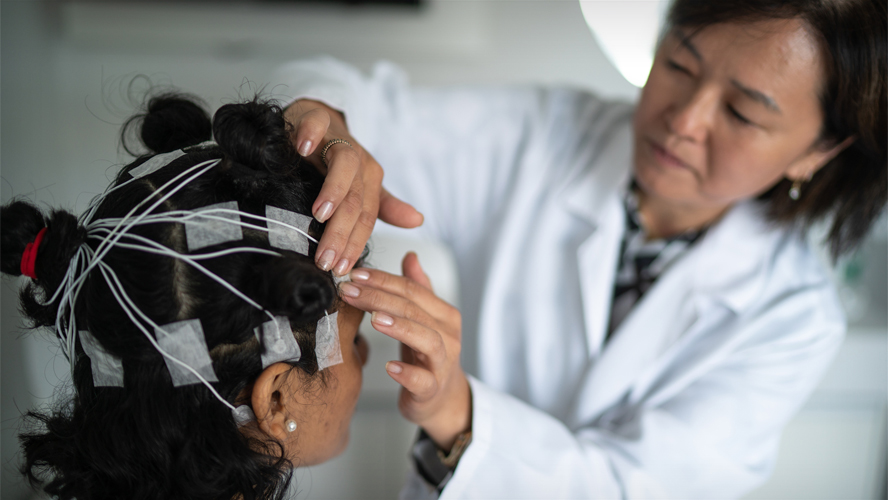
{"x": 731, "y": 262}
{"x": 602, "y": 180}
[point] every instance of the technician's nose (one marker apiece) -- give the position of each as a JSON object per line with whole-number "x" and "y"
{"x": 692, "y": 117}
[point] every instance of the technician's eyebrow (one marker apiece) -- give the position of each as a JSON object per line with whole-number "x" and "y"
{"x": 757, "y": 96}
{"x": 685, "y": 41}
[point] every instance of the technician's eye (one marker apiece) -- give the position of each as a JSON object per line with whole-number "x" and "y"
{"x": 678, "y": 67}
{"x": 742, "y": 119}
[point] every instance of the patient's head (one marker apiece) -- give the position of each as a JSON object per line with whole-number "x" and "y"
{"x": 204, "y": 251}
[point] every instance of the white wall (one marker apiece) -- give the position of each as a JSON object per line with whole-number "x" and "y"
{"x": 65, "y": 68}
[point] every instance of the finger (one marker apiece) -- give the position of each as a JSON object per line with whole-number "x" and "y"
{"x": 410, "y": 268}
{"x": 397, "y": 212}
{"x": 339, "y": 228}
{"x": 407, "y": 288}
{"x": 423, "y": 340}
{"x": 343, "y": 164}
{"x": 310, "y": 129}
{"x": 370, "y": 182}
{"x": 372, "y": 299}
{"x": 361, "y": 231}
{"x": 419, "y": 382}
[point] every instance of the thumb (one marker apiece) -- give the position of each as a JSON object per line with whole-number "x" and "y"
{"x": 397, "y": 212}
{"x": 410, "y": 268}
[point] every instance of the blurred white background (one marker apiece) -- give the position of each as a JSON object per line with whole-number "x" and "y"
{"x": 64, "y": 85}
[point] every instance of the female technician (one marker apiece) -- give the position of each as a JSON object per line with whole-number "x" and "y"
{"x": 641, "y": 313}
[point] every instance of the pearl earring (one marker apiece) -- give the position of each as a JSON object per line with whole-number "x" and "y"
{"x": 291, "y": 425}
{"x": 796, "y": 190}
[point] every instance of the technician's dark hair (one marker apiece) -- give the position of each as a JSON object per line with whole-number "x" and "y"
{"x": 148, "y": 439}
{"x": 852, "y": 188}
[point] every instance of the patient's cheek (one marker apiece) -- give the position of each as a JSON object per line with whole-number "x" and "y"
{"x": 363, "y": 349}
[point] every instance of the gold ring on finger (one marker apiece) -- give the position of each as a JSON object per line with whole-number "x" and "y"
{"x": 331, "y": 144}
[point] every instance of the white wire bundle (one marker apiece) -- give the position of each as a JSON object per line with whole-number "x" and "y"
{"x": 112, "y": 230}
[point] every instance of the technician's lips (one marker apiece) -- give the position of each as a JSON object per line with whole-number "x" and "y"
{"x": 665, "y": 158}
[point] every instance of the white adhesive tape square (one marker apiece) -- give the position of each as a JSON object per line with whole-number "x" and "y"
{"x": 156, "y": 163}
{"x": 201, "y": 232}
{"x": 284, "y": 237}
{"x": 327, "y": 347}
{"x": 107, "y": 370}
{"x": 203, "y": 144}
{"x": 277, "y": 341}
{"x": 185, "y": 341}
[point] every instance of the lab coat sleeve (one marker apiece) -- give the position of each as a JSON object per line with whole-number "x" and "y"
{"x": 520, "y": 452}
{"x": 711, "y": 432}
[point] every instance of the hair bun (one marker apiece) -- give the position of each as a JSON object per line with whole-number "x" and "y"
{"x": 174, "y": 121}
{"x": 255, "y": 134}
{"x": 292, "y": 286}
{"x": 20, "y": 222}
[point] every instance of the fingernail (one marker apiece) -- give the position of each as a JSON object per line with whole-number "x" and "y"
{"x": 349, "y": 290}
{"x": 393, "y": 367}
{"x": 341, "y": 268}
{"x": 327, "y": 259}
{"x": 324, "y": 212}
{"x": 360, "y": 275}
{"x": 304, "y": 148}
{"x": 382, "y": 319}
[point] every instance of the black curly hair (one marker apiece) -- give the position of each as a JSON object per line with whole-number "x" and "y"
{"x": 149, "y": 439}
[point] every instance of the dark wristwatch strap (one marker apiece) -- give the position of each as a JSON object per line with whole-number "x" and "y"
{"x": 456, "y": 451}
{"x": 428, "y": 462}
{"x": 431, "y": 463}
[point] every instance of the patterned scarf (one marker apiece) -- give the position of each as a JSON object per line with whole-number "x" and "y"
{"x": 642, "y": 261}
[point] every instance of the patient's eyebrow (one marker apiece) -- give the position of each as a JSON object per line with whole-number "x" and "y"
{"x": 757, "y": 96}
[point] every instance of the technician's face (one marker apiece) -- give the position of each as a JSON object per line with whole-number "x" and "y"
{"x": 727, "y": 112}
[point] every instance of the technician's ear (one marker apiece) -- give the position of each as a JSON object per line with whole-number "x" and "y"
{"x": 806, "y": 166}
{"x": 270, "y": 400}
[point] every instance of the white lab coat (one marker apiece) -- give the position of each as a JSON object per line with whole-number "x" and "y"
{"x": 689, "y": 397}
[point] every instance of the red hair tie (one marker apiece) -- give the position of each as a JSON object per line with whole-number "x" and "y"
{"x": 29, "y": 256}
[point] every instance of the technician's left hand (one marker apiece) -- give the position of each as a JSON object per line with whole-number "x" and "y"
{"x": 435, "y": 392}
{"x": 352, "y": 195}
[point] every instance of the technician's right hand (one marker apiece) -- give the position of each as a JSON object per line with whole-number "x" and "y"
{"x": 435, "y": 392}
{"x": 352, "y": 195}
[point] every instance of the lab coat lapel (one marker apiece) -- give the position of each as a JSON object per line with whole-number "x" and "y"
{"x": 595, "y": 196}
{"x": 657, "y": 321}
{"x": 726, "y": 267}
{"x": 598, "y": 260}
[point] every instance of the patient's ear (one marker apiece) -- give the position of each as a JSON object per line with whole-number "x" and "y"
{"x": 271, "y": 394}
